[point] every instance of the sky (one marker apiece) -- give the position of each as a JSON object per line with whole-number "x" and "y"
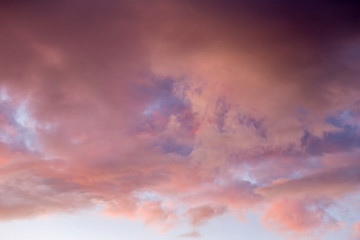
{"x": 169, "y": 119}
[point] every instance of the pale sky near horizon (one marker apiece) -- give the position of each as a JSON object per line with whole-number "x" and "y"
{"x": 169, "y": 119}
{"x": 89, "y": 225}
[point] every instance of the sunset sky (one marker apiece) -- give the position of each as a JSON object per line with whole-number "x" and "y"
{"x": 179, "y": 119}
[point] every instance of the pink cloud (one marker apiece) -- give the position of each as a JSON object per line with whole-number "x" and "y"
{"x": 155, "y": 214}
{"x": 356, "y": 231}
{"x": 330, "y": 183}
{"x": 301, "y": 216}
{"x": 217, "y": 108}
{"x": 199, "y": 215}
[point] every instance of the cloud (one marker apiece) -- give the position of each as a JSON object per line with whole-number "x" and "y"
{"x": 154, "y": 213}
{"x": 199, "y": 215}
{"x": 301, "y": 216}
{"x": 223, "y": 107}
{"x": 329, "y": 183}
{"x": 356, "y": 231}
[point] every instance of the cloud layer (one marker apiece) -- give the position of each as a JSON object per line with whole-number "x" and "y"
{"x": 181, "y": 110}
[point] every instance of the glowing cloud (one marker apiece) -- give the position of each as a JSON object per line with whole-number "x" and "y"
{"x": 219, "y": 107}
